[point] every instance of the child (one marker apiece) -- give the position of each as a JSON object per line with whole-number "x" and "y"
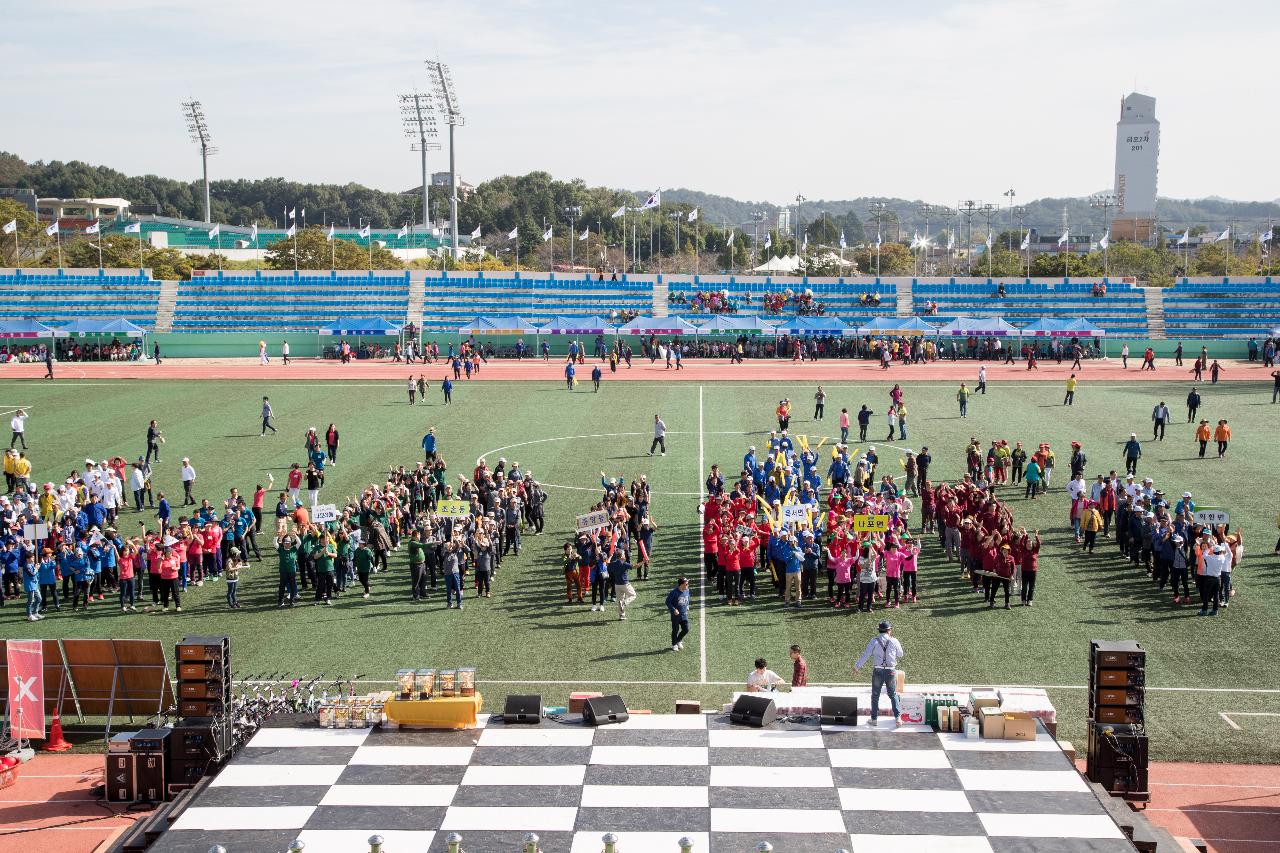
{"x": 231, "y": 573}
{"x": 842, "y": 571}
{"x": 127, "y": 564}
{"x": 892, "y": 574}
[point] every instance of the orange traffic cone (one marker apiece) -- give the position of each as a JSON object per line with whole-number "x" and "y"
{"x": 56, "y": 742}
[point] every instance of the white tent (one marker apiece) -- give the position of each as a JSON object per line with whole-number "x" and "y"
{"x": 789, "y": 263}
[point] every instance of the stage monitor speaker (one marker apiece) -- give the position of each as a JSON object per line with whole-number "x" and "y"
{"x": 523, "y": 709}
{"x": 605, "y": 709}
{"x": 120, "y": 780}
{"x": 149, "y": 770}
{"x": 754, "y": 711}
{"x": 839, "y": 710}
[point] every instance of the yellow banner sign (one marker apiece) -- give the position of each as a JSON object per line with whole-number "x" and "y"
{"x": 871, "y": 523}
{"x": 453, "y": 509}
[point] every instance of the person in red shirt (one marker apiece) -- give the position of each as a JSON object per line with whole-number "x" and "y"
{"x": 1003, "y": 576}
{"x": 195, "y": 558}
{"x": 259, "y": 497}
{"x": 799, "y": 668}
{"x": 169, "y": 565}
{"x": 732, "y": 567}
{"x": 212, "y": 548}
{"x": 1030, "y": 550}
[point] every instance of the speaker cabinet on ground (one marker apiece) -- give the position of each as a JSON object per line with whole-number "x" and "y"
{"x": 754, "y": 711}
{"x": 839, "y": 710}
{"x": 605, "y": 709}
{"x": 523, "y": 709}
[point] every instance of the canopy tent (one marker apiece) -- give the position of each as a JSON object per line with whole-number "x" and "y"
{"x": 979, "y": 327}
{"x": 879, "y": 326}
{"x": 593, "y": 325}
{"x": 735, "y": 324}
{"x": 789, "y": 263}
{"x": 118, "y": 327}
{"x": 354, "y": 327}
{"x": 1082, "y": 328}
{"x": 498, "y": 324}
{"x": 812, "y": 326}
{"x": 658, "y": 326}
{"x": 24, "y": 329}
{"x": 915, "y": 326}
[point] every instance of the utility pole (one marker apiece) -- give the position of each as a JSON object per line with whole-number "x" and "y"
{"x": 967, "y": 209}
{"x": 799, "y": 201}
{"x": 946, "y": 214}
{"x": 1021, "y": 214}
{"x": 878, "y": 210}
{"x": 988, "y": 209}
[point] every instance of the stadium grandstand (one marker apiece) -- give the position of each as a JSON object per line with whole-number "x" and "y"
{"x": 189, "y": 236}
{"x": 287, "y": 301}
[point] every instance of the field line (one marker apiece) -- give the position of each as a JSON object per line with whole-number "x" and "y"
{"x": 702, "y": 564}
{"x": 1229, "y": 721}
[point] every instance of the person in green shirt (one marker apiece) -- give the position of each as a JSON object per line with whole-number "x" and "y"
{"x": 962, "y": 397}
{"x": 326, "y": 552}
{"x": 343, "y": 564}
{"x": 363, "y": 559}
{"x": 417, "y": 565}
{"x": 287, "y": 548}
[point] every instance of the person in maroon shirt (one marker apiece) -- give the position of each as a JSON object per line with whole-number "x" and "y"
{"x": 1030, "y": 566}
{"x": 799, "y": 669}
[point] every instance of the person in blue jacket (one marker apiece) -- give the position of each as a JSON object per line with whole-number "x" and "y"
{"x": 446, "y": 385}
{"x": 48, "y": 573}
{"x": 31, "y": 586}
{"x": 678, "y": 608}
{"x": 568, "y": 375}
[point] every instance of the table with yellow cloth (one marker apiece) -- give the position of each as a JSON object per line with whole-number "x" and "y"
{"x": 455, "y": 712}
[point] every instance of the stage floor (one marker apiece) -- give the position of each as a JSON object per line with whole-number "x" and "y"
{"x": 650, "y": 780}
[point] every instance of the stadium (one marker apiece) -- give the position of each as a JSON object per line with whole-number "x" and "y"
{"x": 479, "y": 529}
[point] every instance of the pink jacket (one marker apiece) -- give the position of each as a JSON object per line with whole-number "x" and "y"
{"x": 893, "y": 563}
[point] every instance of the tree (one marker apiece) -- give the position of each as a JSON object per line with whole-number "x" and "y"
{"x": 895, "y": 259}
{"x": 313, "y": 251}
{"x": 1054, "y": 265}
{"x": 1215, "y": 259}
{"x": 29, "y": 233}
{"x": 824, "y": 232}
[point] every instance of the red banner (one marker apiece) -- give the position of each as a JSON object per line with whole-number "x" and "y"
{"x": 26, "y": 688}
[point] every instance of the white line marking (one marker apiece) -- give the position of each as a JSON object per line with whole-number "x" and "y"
{"x": 702, "y": 564}
{"x": 1229, "y": 721}
{"x": 1180, "y": 785}
{"x": 1254, "y": 714}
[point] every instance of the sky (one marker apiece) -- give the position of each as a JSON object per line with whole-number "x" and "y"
{"x": 930, "y": 100}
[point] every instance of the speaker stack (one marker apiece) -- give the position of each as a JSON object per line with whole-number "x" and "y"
{"x": 754, "y": 711}
{"x": 1117, "y": 754}
{"x": 202, "y": 736}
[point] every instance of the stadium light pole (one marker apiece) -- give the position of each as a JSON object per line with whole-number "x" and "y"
{"x": 198, "y": 127}
{"x": 419, "y": 121}
{"x": 879, "y": 210}
{"x": 1010, "y": 194}
{"x": 1021, "y": 214}
{"x": 799, "y": 201}
{"x": 989, "y": 210}
{"x": 967, "y": 209}
{"x": 442, "y": 86}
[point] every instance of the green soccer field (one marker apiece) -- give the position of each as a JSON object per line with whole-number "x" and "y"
{"x": 526, "y": 638}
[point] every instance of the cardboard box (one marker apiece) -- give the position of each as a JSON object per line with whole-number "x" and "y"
{"x": 578, "y": 701}
{"x": 956, "y": 725}
{"x": 992, "y": 723}
{"x": 899, "y": 680}
{"x": 979, "y": 699}
{"x": 911, "y": 708}
{"x": 1019, "y": 725}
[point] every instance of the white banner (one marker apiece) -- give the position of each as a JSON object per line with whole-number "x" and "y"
{"x": 324, "y": 513}
{"x": 592, "y": 521}
{"x": 795, "y": 513}
{"x": 1211, "y": 516}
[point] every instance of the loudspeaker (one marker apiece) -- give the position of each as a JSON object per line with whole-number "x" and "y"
{"x": 839, "y": 710}
{"x": 605, "y": 709}
{"x": 754, "y": 711}
{"x": 149, "y": 770}
{"x": 523, "y": 709}
{"x": 120, "y": 780}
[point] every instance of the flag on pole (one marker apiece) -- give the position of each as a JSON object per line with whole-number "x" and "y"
{"x": 1105, "y": 241}
{"x": 804, "y": 246}
{"x": 52, "y": 229}
{"x": 215, "y": 231}
{"x": 94, "y": 228}
{"x": 328, "y": 236}
{"x": 842, "y": 243}
{"x": 877, "y": 241}
{"x": 619, "y": 212}
{"x": 546, "y": 235}
{"x": 1062, "y": 241}
{"x": 515, "y": 232}
{"x": 915, "y": 241}
{"x": 693, "y": 215}
{"x": 1185, "y": 238}
{"x": 12, "y": 225}
{"x": 1225, "y": 235}
{"x": 253, "y": 232}
{"x": 304, "y": 214}
{"x": 403, "y": 232}
{"x": 988, "y": 241}
{"x": 475, "y": 235}
{"x": 729, "y": 242}
{"x": 1263, "y": 236}
{"x": 293, "y": 213}
{"x": 1026, "y": 242}
{"x": 768, "y": 240}
{"x": 292, "y": 232}
{"x": 654, "y": 200}
{"x": 364, "y": 232}
{"x": 584, "y": 235}
{"x": 136, "y": 228}
{"x": 951, "y": 241}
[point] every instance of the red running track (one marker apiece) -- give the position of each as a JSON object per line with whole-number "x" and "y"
{"x": 695, "y": 370}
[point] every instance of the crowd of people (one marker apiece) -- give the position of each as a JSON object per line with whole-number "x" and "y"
{"x": 70, "y": 349}
{"x": 614, "y": 549}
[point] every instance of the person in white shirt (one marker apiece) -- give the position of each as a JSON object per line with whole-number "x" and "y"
{"x": 137, "y": 485}
{"x": 188, "y": 482}
{"x": 1216, "y": 562}
{"x": 883, "y": 650}
{"x": 763, "y": 678}
{"x": 19, "y": 426}
{"x": 284, "y": 351}
{"x": 982, "y": 380}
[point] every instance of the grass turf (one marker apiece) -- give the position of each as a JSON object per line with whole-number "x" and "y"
{"x": 527, "y": 633}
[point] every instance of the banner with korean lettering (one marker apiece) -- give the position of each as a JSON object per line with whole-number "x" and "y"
{"x": 871, "y": 523}
{"x": 453, "y": 509}
{"x": 25, "y": 659}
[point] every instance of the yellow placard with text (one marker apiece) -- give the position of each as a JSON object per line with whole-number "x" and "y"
{"x": 871, "y": 523}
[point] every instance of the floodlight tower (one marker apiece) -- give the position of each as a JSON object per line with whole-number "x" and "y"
{"x": 442, "y": 86}
{"x": 198, "y": 127}
{"x": 419, "y": 120}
